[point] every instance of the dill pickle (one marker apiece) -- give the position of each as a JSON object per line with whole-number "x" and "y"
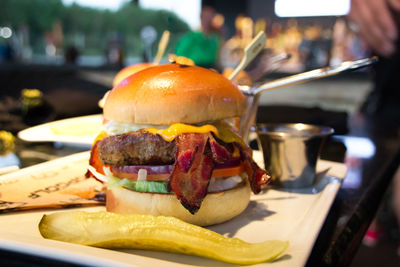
{"x": 110, "y": 230}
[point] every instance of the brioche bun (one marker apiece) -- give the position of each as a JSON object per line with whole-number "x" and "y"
{"x": 216, "y": 207}
{"x": 174, "y": 93}
{"x": 129, "y": 70}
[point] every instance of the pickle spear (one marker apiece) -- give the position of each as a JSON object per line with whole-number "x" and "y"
{"x": 110, "y": 230}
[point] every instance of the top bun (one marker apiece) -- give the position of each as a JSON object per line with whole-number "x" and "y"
{"x": 174, "y": 93}
{"x": 129, "y": 70}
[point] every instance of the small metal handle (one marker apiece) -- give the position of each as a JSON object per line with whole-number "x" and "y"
{"x": 313, "y": 75}
{"x": 253, "y": 94}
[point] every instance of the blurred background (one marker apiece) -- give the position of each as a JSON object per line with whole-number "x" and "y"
{"x": 101, "y": 33}
{"x": 72, "y": 49}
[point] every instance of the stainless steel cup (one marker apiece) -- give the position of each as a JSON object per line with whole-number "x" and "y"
{"x": 291, "y": 151}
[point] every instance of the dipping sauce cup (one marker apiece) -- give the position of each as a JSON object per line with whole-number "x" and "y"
{"x": 291, "y": 151}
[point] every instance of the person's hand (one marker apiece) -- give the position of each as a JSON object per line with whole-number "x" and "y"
{"x": 374, "y": 21}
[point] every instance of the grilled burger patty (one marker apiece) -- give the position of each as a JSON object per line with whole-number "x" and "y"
{"x": 136, "y": 148}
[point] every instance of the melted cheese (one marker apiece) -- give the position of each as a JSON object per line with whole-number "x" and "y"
{"x": 176, "y": 129}
{"x": 100, "y": 136}
{"x": 169, "y": 132}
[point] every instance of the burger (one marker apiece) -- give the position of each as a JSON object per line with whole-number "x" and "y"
{"x": 169, "y": 146}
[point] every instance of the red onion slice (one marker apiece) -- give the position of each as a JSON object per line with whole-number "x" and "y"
{"x": 162, "y": 169}
{"x": 157, "y": 169}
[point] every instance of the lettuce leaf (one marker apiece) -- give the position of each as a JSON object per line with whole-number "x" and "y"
{"x": 140, "y": 186}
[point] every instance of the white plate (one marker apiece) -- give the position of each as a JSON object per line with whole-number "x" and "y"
{"x": 75, "y": 131}
{"x": 294, "y": 215}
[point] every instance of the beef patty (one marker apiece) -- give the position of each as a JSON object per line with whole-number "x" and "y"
{"x": 136, "y": 148}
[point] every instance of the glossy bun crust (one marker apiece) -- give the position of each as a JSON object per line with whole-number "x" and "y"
{"x": 173, "y": 93}
{"x": 129, "y": 70}
{"x": 216, "y": 207}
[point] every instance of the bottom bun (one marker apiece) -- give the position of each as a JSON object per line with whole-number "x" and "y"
{"x": 216, "y": 207}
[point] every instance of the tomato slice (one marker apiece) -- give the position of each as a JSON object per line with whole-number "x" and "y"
{"x": 218, "y": 172}
{"x": 150, "y": 177}
{"x": 95, "y": 161}
{"x": 226, "y": 172}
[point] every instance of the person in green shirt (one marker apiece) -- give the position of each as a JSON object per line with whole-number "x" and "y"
{"x": 202, "y": 46}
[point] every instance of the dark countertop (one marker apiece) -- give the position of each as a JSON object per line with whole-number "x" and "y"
{"x": 357, "y": 203}
{"x": 370, "y": 147}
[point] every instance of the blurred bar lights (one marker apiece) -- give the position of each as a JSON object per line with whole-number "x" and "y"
{"x": 5, "y": 32}
{"x": 311, "y": 8}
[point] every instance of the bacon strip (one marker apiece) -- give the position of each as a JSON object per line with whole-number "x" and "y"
{"x": 186, "y": 159}
{"x": 195, "y": 159}
{"x": 220, "y": 153}
{"x": 190, "y": 183}
{"x": 257, "y": 176}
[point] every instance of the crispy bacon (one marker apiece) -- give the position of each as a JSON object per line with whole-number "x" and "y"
{"x": 192, "y": 170}
{"x": 195, "y": 158}
{"x": 220, "y": 153}
{"x": 257, "y": 176}
{"x": 186, "y": 159}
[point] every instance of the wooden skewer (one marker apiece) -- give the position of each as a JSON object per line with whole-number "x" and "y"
{"x": 162, "y": 45}
{"x": 250, "y": 52}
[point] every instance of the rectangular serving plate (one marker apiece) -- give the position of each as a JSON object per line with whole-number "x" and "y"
{"x": 295, "y": 215}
